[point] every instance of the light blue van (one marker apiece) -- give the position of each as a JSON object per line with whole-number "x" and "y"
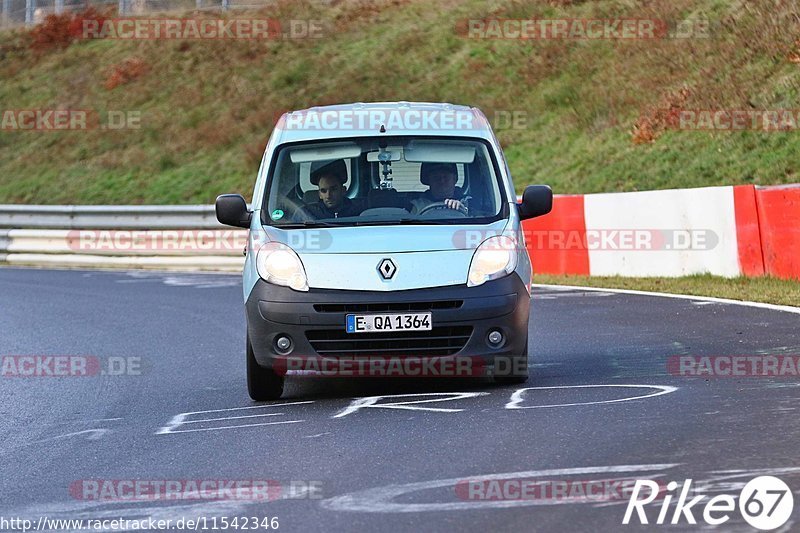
{"x": 384, "y": 230}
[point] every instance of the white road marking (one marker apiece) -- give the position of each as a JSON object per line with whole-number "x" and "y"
{"x": 236, "y": 427}
{"x": 200, "y": 280}
{"x": 181, "y": 418}
{"x": 372, "y": 402}
{"x": 516, "y": 397}
{"x": 379, "y": 499}
{"x": 90, "y": 420}
{"x": 229, "y": 418}
{"x": 536, "y": 295}
{"x": 318, "y": 435}
{"x": 246, "y": 407}
{"x": 93, "y": 434}
{"x": 744, "y": 303}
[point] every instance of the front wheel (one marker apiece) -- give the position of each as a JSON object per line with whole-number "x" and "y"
{"x": 515, "y": 373}
{"x": 263, "y": 384}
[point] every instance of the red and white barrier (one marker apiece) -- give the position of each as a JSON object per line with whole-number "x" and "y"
{"x": 779, "y": 221}
{"x": 725, "y": 231}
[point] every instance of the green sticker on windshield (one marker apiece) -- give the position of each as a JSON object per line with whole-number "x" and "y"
{"x": 277, "y": 214}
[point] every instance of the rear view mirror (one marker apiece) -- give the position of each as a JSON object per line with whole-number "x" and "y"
{"x": 393, "y": 153}
{"x": 537, "y": 200}
{"x": 232, "y": 211}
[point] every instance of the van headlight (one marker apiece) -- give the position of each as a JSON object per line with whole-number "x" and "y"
{"x": 494, "y": 258}
{"x": 277, "y": 263}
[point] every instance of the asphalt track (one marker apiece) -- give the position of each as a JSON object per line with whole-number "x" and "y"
{"x": 382, "y": 469}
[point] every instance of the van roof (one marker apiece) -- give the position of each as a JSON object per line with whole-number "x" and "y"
{"x": 382, "y": 118}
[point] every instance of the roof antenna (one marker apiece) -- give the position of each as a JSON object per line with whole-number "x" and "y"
{"x": 383, "y": 129}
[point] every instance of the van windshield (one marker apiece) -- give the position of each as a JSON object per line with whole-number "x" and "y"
{"x": 388, "y": 180}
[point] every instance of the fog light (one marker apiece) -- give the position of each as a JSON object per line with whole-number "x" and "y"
{"x": 283, "y": 344}
{"x": 495, "y": 338}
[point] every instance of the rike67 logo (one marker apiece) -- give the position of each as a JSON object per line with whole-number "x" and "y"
{"x": 765, "y": 503}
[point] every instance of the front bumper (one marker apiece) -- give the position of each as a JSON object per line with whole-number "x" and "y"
{"x": 462, "y": 319}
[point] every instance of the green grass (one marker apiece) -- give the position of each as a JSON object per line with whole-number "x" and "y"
{"x": 767, "y": 290}
{"x": 207, "y": 108}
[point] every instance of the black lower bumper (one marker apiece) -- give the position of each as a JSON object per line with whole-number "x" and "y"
{"x": 462, "y": 318}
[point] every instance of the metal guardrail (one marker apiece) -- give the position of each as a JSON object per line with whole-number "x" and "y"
{"x": 108, "y": 217}
{"x": 157, "y": 262}
{"x": 169, "y": 237}
{"x": 137, "y": 242}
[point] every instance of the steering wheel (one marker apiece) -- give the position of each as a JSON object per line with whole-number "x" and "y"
{"x": 438, "y": 206}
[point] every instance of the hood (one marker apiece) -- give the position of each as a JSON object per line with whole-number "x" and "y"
{"x": 384, "y": 239}
{"x": 421, "y": 256}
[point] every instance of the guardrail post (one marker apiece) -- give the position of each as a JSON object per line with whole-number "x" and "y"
{"x": 123, "y": 7}
{"x": 59, "y": 6}
{"x": 30, "y": 5}
{"x": 225, "y": 4}
{"x": 5, "y": 17}
{"x": 198, "y": 4}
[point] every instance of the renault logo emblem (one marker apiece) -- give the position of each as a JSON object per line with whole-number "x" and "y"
{"x": 387, "y": 268}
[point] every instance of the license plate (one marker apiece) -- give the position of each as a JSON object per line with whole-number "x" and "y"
{"x": 388, "y": 322}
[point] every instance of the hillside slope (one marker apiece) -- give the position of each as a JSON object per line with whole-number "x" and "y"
{"x": 595, "y": 113}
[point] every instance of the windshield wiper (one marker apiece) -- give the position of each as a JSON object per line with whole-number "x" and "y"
{"x": 309, "y": 224}
{"x": 398, "y": 222}
{"x": 389, "y": 222}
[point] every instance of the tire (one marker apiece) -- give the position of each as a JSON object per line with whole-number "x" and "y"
{"x": 516, "y": 379}
{"x": 263, "y": 384}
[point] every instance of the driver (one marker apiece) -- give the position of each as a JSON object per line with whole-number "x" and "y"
{"x": 441, "y": 181}
{"x": 333, "y": 201}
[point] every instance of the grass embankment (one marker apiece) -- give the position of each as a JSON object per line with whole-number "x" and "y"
{"x": 207, "y": 107}
{"x": 767, "y": 290}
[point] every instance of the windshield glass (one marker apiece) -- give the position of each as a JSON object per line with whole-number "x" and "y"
{"x": 401, "y": 180}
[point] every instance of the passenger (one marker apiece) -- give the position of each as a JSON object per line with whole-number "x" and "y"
{"x": 333, "y": 201}
{"x": 441, "y": 181}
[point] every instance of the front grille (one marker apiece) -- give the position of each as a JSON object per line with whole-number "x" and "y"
{"x": 444, "y": 340}
{"x": 387, "y": 307}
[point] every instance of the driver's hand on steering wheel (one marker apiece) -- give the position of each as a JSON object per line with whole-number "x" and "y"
{"x": 455, "y": 204}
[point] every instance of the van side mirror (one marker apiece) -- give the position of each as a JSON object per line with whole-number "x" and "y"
{"x": 232, "y": 210}
{"x": 537, "y": 200}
